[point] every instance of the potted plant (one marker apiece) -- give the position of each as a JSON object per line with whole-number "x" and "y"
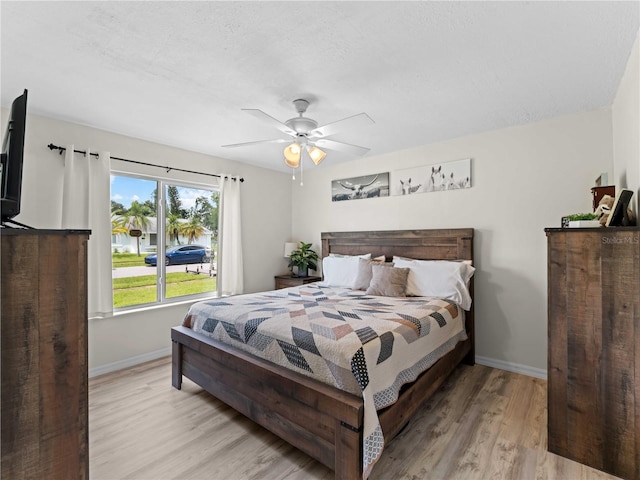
{"x": 304, "y": 259}
{"x": 579, "y": 220}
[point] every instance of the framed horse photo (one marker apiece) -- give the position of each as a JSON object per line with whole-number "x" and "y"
{"x": 355, "y": 188}
{"x": 432, "y": 178}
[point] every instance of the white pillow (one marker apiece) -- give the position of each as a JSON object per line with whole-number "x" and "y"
{"x": 341, "y": 271}
{"x": 438, "y": 278}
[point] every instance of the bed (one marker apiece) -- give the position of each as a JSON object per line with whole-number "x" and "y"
{"x": 322, "y": 420}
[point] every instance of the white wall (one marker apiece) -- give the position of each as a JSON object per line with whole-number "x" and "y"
{"x": 524, "y": 179}
{"x": 117, "y": 340}
{"x": 626, "y": 128}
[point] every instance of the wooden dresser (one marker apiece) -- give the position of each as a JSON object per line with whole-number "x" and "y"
{"x": 594, "y": 347}
{"x": 44, "y": 354}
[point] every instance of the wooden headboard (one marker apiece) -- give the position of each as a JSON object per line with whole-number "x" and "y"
{"x": 446, "y": 244}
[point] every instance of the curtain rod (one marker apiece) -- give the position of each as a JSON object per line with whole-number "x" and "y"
{"x": 168, "y": 169}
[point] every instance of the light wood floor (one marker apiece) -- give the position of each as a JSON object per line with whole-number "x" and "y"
{"x": 482, "y": 424}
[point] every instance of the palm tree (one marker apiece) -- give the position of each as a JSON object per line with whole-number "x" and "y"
{"x": 136, "y": 218}
{"x": 118, "y": 224}
{"x": 192, "y": 229}
{"x": 173, "y": 227}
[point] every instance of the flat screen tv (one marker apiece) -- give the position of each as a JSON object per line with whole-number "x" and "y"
{"x": 12, "y": 157}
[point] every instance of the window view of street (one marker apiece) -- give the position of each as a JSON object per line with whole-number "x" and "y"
{"x": 189, "y": 231}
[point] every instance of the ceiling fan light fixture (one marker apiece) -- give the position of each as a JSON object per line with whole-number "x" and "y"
{"x": 305, "y": 133}
{"x": 292, "y": 163}
{"x": 316, "y": 154}
{"x": 292, "y": 155}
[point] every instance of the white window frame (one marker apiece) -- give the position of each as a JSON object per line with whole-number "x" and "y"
{"x": 161, "y": 271}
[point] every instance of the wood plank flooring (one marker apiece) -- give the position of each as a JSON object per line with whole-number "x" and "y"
{"x": 482, "y": 424}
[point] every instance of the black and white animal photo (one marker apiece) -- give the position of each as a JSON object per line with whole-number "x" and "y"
{"x": 432, "y": 178}
{"x": 407, "y": 188}
{"x": 368, "y": 186}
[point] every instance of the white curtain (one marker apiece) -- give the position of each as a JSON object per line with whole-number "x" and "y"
{"x": 230, "y": 269}
{"x": 86, "y": 204}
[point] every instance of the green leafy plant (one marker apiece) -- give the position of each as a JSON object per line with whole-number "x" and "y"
{"x": 582, "y": 216}
{"x": 303, "y": 258}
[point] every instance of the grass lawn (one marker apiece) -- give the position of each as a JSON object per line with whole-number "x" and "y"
{"x": 120, "y": 260}
{"x": 142, "y": 289}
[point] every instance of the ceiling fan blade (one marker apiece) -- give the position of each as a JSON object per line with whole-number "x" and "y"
{"x": 270, "y": 120}
{"x": 259, "y": 142}
{"x": 358, "y": 120}
{"x": 340, "y": 146}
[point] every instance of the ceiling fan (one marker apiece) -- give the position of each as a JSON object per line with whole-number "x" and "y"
{"x": 307, "y": 135}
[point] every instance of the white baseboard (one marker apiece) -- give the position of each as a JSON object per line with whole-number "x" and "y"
{"x": 129, "y": 362}
{"x": 512, "y": 367}
{"x": 164, "y": 352}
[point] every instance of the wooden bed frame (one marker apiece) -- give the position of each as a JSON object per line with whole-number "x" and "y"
{"x": 322, "y": 421}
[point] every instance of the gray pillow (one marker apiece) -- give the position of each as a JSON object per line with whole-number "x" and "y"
{"x": 363, "y": 279}
{"x": 388, "y": 282}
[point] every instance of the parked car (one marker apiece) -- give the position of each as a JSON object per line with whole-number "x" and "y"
{"x": 181, "y": 254}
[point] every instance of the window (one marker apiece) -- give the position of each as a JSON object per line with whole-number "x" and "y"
{"x": 185, "y": 230}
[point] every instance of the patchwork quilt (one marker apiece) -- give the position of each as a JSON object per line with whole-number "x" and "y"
{"x": 367, "y": 345}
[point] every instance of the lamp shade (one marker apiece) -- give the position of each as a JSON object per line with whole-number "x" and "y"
{"x": 316, "y": 154}
{"x": 292, "y": 155}
{"x": 289, "y": 247}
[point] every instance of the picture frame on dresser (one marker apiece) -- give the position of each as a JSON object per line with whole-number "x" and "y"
{"x": 618, "y": 216}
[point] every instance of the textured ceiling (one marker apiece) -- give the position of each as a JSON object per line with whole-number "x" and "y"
{"x": 178, "y": 73}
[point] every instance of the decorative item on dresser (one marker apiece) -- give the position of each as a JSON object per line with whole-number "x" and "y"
{"x": 594, "y": 347}
{"x": 598, "y": 192}
{"x": 601, "y": 189}
{"x": 583, "y": 220}
{"x": 44, "y": 354}
{"x": 285, "y": 281}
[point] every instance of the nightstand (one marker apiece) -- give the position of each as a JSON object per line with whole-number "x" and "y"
{"x": 285, "y": 281}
